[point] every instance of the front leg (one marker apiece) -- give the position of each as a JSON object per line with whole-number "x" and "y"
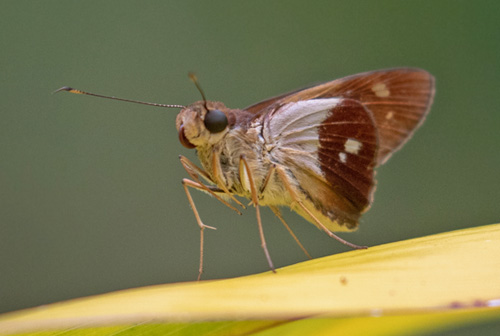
{"x": 188, "y": 183}
{"x": 217, "y": 174}
{"x": 194, "y": 171}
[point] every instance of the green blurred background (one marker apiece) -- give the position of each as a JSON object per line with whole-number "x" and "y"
{"x": 90, "y": 190}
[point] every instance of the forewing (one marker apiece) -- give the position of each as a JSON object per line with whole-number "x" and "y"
{"x": 262, "y": 106}
{"x": 399, "y": 100}
{"x": 330, "y": 148}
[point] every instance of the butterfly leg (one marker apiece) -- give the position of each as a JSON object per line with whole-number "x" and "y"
{"x": 284, "y": 178}
{"x": 217, "y": 173}
{"x": 247, "y": 179}
{"x": 277, "y": 213}
{"x": 194, "y": 171}
{"x": 188, "y": 183}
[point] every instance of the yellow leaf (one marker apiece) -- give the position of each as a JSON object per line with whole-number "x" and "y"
{"x": 441, "y": 278}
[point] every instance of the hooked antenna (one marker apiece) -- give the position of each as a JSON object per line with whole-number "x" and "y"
{"x": 69, "y": 89}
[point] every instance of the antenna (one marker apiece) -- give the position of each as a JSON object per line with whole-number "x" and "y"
{"x": 193, "y": 77}
{"x": 69, "y": 89}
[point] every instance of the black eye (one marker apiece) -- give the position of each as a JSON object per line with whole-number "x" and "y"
{"x": 215, "y": 121}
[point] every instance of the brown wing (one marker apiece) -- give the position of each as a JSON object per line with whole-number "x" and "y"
{"x": 259, "y": 107}
{"x": 399, "y": 100}
{"x": 330, "y": 147}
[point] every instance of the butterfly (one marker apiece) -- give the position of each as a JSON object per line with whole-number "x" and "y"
{"x": 313, "y": 150}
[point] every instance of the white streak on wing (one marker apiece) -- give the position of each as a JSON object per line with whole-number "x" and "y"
{"x": 293, "y": 131}
{"x": 300, "y": 114}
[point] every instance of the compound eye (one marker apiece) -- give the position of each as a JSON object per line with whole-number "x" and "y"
{"x": 215, "y": 121}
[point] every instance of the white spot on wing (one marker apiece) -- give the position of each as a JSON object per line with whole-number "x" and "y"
{"x": 381, "y": 90}
{"x": 389, "y": 115}
{"x": 352, "y": 146}
{"x": 343, "y": 157}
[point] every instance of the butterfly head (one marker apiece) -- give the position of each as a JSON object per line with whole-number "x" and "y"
{"x": 202, "y": 123}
